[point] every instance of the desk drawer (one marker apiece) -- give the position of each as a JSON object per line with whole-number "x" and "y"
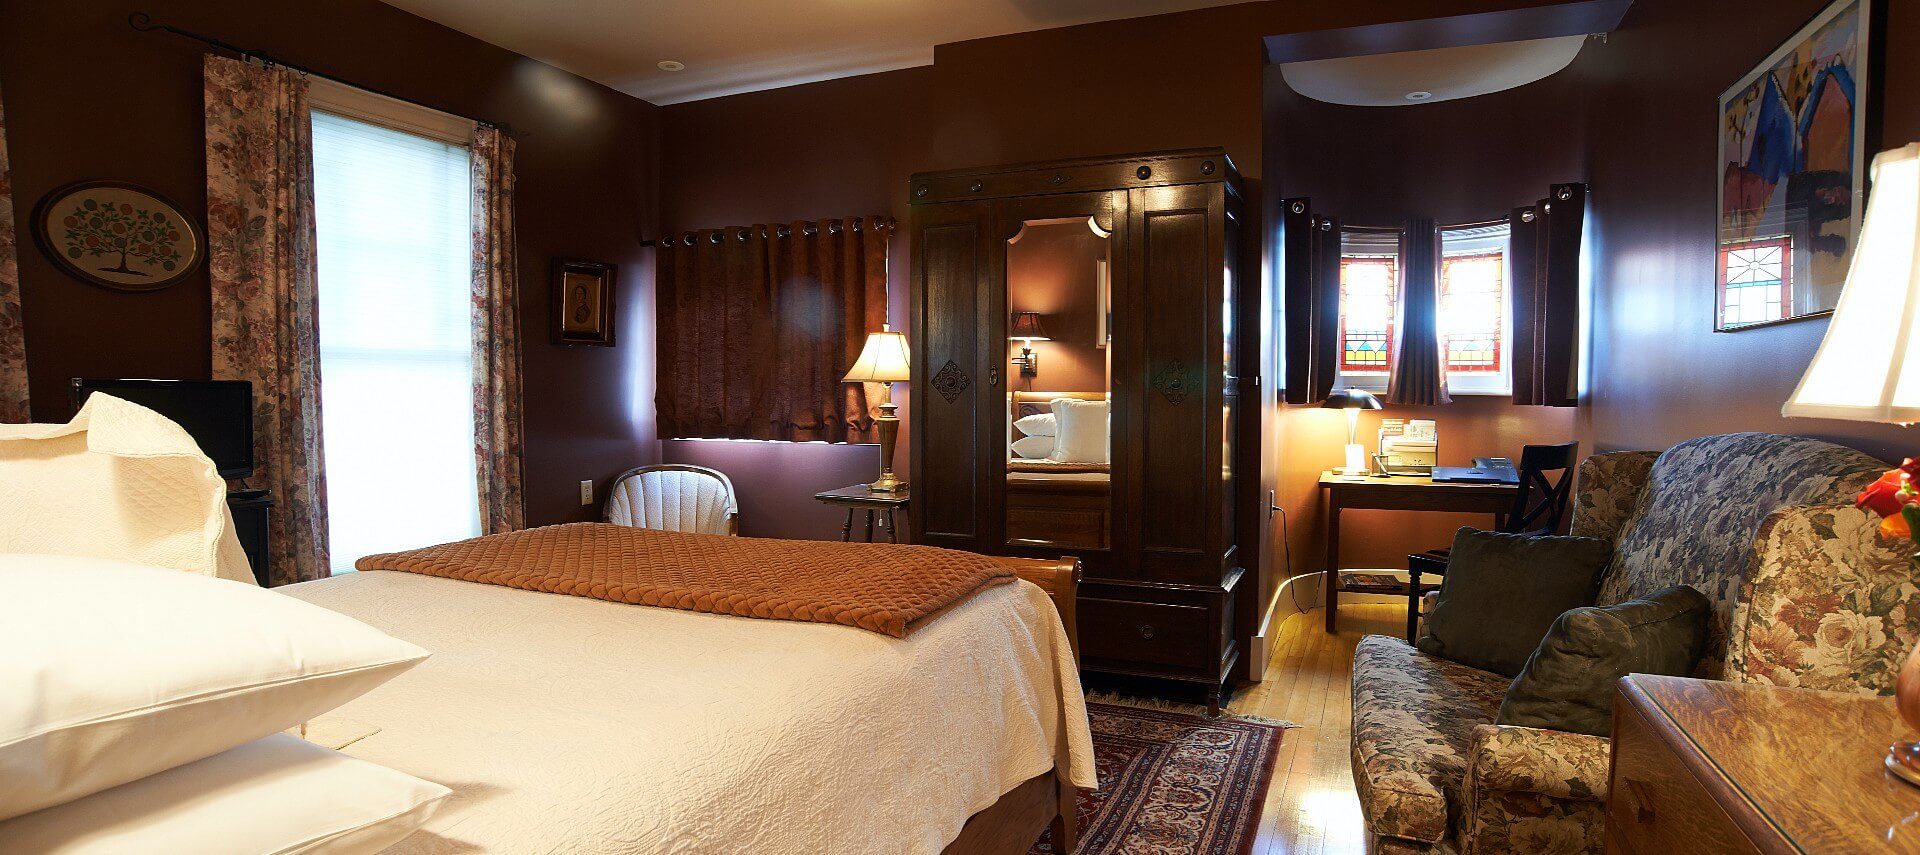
{"x": 1654, "y": 804}
{"x": 1154, "y": 633}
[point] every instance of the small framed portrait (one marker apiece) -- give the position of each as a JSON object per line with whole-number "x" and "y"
{"x": 583, "y": 303}
{"x": 117, "y": 235}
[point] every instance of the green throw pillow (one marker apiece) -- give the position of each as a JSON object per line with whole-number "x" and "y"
{"x": 1568, "y": 684}
{"x": 1502, "y": 592}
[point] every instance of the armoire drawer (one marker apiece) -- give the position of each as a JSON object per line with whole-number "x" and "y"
{"x": 1150, "y": 633}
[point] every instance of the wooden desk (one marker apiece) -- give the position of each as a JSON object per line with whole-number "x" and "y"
{"x": 858, "y": 497}
{"x": 1399, "y": 493}
{"x": 1707, "y": 766}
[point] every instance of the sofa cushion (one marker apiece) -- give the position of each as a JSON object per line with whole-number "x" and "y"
{"x": 1413, "y": 725}
{"x": 1698, "y": 516}
{"x": 1502, "y": 592}
{"x": 1568, "y": 684}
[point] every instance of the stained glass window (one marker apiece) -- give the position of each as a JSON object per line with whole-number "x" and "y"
{"x": 1472, "y": 295}
{"x": 1368, "y": 284}
{"x": 1756, "y": 281}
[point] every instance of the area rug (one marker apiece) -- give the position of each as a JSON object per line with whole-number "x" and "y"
{"x": 1174, "y": 783}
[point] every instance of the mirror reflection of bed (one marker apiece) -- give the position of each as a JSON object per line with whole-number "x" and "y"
{"x": 1059, "y": 432}
{"x": 1058, "y": 502}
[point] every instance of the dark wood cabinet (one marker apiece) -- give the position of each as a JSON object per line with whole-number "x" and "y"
{"x": 1156, "y": 530}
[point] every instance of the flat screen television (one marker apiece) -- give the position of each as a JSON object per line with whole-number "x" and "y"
{"x": 218, "y": 414}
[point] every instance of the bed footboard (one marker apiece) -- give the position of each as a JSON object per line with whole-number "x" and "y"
{"x": 1060, "y": 578}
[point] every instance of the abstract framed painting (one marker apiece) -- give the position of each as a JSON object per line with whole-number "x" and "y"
{"x": 1793, "y": 135}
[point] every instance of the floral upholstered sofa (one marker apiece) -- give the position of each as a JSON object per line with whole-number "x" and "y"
{"x": 1763, "y": 525}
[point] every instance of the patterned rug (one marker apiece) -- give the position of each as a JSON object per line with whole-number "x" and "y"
{"x": 1174, "y": 783}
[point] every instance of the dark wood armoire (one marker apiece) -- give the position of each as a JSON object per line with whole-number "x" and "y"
{"x": 1115, "y": 279}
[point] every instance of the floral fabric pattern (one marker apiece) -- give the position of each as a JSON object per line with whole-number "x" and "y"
{"x": 497, "y": 438}
{"x": 1535, "y": 790}
{"x": 1828, "y": 604}
{"x": 1607, "y": 490}
{"x": 261, "y": 260}
{"x": 13, "y": 341}
{"x": 1703, "y": 505}
{"x": 1414, "y": 718}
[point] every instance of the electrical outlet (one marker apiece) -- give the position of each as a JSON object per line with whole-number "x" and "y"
{"x": 586, "y": 492}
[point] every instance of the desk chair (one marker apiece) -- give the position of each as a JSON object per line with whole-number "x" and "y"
{"x": 1537, "y": 509}
{"x": 674, "y": 497}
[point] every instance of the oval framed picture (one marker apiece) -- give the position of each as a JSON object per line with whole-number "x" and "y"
{"x": 117, "y": 235}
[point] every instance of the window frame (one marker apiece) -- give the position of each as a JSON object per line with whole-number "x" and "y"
{"x": 1493, "y": 237}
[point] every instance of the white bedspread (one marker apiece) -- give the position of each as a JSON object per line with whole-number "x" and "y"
{"x": 565, "y": 724}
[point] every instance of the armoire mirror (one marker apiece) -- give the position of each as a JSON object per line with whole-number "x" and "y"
{"x": 1059, "y": 431}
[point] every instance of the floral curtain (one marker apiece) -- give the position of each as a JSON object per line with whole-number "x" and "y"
{"x": 261, "y": 260}
{"x": 496, "y": 335}
{"x": 13, "y": 342}
{"x": 758, "y": 324}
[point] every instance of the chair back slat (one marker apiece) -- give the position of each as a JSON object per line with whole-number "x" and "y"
{"x": 1546, "y": 482}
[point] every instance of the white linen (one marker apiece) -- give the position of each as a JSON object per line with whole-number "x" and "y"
{"x": 1038, "y": 424}
{"x": 110, "y": 671}
{"x": 119, "y": 481}
{"x": 1083, "y": 431}
{"x": 277, "y": 795}
{"x": 1033, "y": 447}
{"x": 566, "y": 724}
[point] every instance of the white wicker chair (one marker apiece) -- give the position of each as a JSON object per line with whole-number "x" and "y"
{"x": 674, "y": 497}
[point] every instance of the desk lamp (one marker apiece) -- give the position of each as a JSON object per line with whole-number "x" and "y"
{"x": 1353, "y": 401}
{"x": 884, "y": 360}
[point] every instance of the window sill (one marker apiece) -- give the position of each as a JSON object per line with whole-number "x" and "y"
{"x": 1456, "y": 386}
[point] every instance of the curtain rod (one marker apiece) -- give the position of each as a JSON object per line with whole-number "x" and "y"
{"x": 144, "y": 23}
{"x": 888, "y": 222}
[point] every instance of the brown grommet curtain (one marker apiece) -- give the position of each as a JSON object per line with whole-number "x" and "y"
{"x": 1544, "y": 256}
{"x": 1310, "y": 270}
{"x": 758, "y": 324}
{"x": 13, "y": 341}
{"x": 1419, "y": 371}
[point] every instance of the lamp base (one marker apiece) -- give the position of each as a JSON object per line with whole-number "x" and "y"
{"x": 889, "y": 429}
{"x": 1356, "y": 460}
{"x": 1903, "y": 760}
{"x": 888, "y": 484}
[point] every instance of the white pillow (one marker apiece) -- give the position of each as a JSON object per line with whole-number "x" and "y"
{"x": 110, "y": 672}
{"x": 1083, "y": 431}
{"x": 280, "y": 794}
{"x": 1038, "y": 424}
{"x": 1033, "y": 447}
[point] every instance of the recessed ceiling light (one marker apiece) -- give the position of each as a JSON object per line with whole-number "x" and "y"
{"x": 1421, "y": 95}
{"x": 671, "y": 65}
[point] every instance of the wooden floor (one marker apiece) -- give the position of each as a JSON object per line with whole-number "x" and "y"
{"x": 1311, "y": 807}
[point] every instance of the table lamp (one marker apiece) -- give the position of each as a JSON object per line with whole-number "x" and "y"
{"x": 1353, "y": 401}
{"x": 1027, "y": 329}
{"x": 1860, "y": 371}
{"x": 884, "y": 360}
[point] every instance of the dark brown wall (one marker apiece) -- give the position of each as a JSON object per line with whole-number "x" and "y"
{"x": 1459, "y": 161}
{"x": 86, "y": 97}
{"x": 1661, "y": 375}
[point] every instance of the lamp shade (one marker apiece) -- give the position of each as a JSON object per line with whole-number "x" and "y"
{"x": 1026, "y": 325}
{"x": 883, "y": 360}
{"x": 1351, "y": 399}
{"x": 1868, "y": 366}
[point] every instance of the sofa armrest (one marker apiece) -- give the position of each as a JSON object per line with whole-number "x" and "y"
{"x": 1552, "y": 763}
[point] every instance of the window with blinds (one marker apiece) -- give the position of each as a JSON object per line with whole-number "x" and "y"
{"x": 395, "y": 266}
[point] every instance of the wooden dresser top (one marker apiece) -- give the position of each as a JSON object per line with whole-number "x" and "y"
{"x": 1798, "y": 764}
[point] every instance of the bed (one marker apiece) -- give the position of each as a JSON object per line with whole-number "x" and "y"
{"x": 1054, "y": 504}
{"x": 572, "y": 724}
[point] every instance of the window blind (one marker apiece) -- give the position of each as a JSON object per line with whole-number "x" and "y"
{"x": 395, "y": 274}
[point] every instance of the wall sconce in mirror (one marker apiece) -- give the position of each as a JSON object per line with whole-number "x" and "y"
{"x": 1027, "y": 329}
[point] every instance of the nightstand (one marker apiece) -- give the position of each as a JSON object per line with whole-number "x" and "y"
{"x": 1710, "y": 766}
{"x": 859, "y": 497}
